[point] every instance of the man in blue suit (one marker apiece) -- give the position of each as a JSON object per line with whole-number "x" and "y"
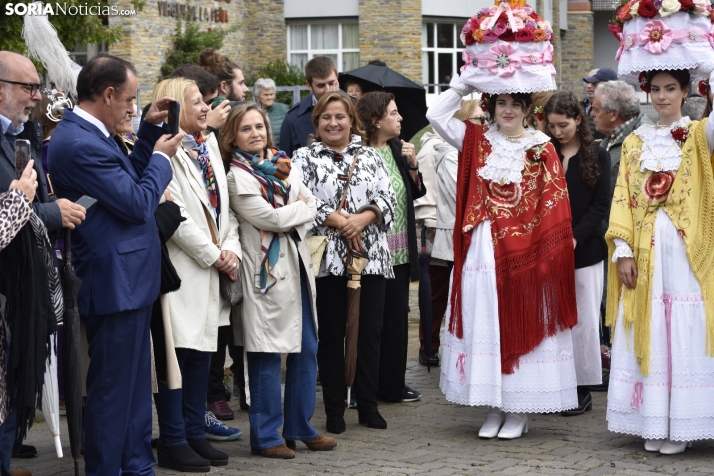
{"x": 117, "y": 255}
{"x": 321, "y": 77}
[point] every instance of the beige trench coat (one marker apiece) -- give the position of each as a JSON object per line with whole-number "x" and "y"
{"x": 198, "y": 309}
{"x": 272, "y": 323}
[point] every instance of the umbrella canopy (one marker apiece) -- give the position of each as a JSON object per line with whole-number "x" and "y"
{"x": 425, "y": 312}
{"x": 72, "y": 354}
{"x": 355, "y": 261}
{"x": 409, "y": 96}
{"x": 50, "y": 396}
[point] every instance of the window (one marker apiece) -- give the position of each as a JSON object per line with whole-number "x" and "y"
{"x": 441, "y": 53}
{"x": 82, "y": 53}
{"x": 339, "y": 41}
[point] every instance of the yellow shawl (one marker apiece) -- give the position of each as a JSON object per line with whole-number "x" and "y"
{"x": 690, "y": 206}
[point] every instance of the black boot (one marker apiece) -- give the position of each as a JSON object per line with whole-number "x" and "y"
{"x": 336, "y": 424}
{"x": 585, "y": 402}
{"x": 205, "y": 450}
{"x": 372, "y": 419}
{"x": 181, "y": 458}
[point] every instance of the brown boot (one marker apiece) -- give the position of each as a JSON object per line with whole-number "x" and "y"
{"x": 281, "y": 452}
{"x": 321, "y": 443}
{"x": 20, "y": 472}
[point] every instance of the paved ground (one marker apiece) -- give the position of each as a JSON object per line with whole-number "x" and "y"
{"x": 435, "y": 437}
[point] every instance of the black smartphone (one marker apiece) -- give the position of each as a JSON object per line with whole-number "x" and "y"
{"x": 86, "y": 201}
{"x": 174, "y": 114}
{"x": 22, "y": 156}
{"x": 217, "y": 101}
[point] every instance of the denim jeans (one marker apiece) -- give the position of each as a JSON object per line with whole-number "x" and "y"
{"x": 7, "y": 438}
{"x": 265, "y": 412}
{"x": 181, "y": 412}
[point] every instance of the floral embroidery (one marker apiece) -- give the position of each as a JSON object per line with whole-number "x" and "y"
{"x": 507, "y": 195}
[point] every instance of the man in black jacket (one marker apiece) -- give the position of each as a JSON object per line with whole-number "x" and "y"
{"x": 321, "y": 75}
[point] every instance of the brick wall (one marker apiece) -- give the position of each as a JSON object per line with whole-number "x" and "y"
{"x": 265, "y": 34}
{"x": 578, "y": 47}
{"x": 391, "y": 30}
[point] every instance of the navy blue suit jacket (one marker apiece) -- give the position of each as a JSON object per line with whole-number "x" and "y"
{"x": 297, "y": 126}
{"x": 116, "y": 250}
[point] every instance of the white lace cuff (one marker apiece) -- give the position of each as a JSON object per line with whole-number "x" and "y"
{"x": 460, "y": 88}
{"x": 622, "y": 250}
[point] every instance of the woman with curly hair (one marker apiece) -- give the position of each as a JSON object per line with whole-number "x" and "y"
{"x": 587, "y": 173}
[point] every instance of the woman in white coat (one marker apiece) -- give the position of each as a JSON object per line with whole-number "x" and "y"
{"x": 274, "y": 210}
{"x": 205, "y": 245}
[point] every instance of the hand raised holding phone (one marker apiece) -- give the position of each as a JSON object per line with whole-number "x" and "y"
{"x": 27, "y": 182}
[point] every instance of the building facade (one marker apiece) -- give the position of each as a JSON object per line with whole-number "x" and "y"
{"x": 419, "y": 38}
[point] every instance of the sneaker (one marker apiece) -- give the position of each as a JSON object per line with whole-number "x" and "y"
{"x": 409, "y": 395}
{"x": 217, "y": 430}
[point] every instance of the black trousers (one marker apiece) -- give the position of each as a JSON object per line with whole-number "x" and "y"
{"x": 395, "y": 334}
{"x": 215, "y": 390}
{"x": 331, "y": 310}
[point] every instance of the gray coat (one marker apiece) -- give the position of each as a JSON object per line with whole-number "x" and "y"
{"x": 615, "y": 150}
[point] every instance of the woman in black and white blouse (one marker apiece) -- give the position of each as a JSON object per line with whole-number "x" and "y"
{"x": 325, "y": 165}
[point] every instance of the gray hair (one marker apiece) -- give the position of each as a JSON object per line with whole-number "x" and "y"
{"x": 260, "y": 85}
{"x": 618, "y": 96}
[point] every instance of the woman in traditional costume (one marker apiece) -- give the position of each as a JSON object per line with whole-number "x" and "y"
{"x": 660, "y": 239}
{"x": 508, "y": 344}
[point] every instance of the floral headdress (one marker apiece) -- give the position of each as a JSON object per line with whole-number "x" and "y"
{"x": 703, "y": 87}
{"x": 538, "y": 111}
{"x": 663, "y": 35}
{"x": 508, "y": 50}
{"x": 485, "y": 100}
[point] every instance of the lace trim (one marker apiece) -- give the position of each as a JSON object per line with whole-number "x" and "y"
{"x": 660, "y": 152}
{"x": 622, "y": 250}
{"x": 506, "y": 161}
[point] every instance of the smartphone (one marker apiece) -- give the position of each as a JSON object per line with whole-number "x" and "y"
{"x": 217, "y": 101}
{"x": 86, "y": 201}
{"x": 22, "y": 156}
{"x": 174, "y": 114}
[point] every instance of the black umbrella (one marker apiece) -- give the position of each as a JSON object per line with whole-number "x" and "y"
{"x": 409, "y": 96}
{"x": 425, "y": 312}
{"x": 72, "y": 353}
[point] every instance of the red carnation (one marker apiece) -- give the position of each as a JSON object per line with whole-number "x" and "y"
{"x": 644, "y": 84}
{"x": 686, "y": 5}
{"x": 616, "y": 30}
{"x": 503, "y": 18}
{"x": 525, "y": 35}
{"x": 647, "y": 9}
{"x": 507, "y": 35}
{"x": 469, "y": 39}
{"x": 703, "y": 88}
{"x": 680, "y": 135}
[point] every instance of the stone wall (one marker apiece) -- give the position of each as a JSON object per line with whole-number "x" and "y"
{"x": 265, "y": 34}
{"x": 148, "y": 36}
{"x": 391, "y": 30}
{"x": 578, "y": 47}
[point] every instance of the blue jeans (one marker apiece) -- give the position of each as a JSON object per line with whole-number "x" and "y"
{"x": 265, "y": 412}
{"x": 7, "y": 438}
{"x": 182, "y": 411}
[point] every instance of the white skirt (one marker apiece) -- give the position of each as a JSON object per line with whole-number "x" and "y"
{"x": 586, "y": 333}
{"x": 646, "y": 406}
{"x": 471, "y": 367}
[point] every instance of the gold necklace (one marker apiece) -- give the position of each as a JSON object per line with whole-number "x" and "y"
{"x": 512, "y": 138}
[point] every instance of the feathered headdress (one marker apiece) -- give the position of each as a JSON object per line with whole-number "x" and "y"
{"x": 44, "y": 45}
{"x": 508, "y": 50}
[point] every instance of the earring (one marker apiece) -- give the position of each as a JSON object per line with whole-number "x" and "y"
{"x": 577, "y": 129}
{"x": 377, "y": 126}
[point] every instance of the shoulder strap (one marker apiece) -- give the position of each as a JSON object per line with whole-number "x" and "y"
{"x": 349, "y": 178}
{"x": 210, "y": 227}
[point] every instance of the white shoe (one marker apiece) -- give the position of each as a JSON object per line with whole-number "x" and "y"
{"x": 515, "y": 425}
{"x": 670, "y": 447}
{"x": 493, "y": 423}
{"x": 653, "y": 445}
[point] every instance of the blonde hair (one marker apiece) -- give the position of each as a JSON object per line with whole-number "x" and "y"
{"x": 467, "y": 107}
{"x": 175, "y": 88}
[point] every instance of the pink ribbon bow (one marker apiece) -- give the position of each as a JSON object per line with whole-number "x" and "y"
{"x": 502, "y": 60}
{"x": 461, "y": 365}
{"x": 637, "y": 396}
{"x": 656, "y": 36}
{"x": 509, "y": 14}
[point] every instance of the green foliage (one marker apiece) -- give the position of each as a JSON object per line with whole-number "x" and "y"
{"x": 189, "y": 43}
{"x": 72, "y": 30}
{"x": 284, "y": 74}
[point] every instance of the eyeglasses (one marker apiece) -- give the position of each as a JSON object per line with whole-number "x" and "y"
{"x": 34, "y": 87}
{"x": 481, "y": 119}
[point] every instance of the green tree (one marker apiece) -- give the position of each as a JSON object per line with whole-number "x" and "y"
{"x": 284, "y": 74}
{"x": 189, "y": 43}
{"x": 71, "y": 29}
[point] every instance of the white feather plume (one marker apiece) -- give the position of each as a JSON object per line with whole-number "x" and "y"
{"x": 44, "y": 45}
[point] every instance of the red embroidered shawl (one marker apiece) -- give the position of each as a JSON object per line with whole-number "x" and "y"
{"x": 533, "y": 246}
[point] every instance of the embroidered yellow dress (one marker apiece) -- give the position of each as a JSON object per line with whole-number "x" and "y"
{"x": 662, "y": 375}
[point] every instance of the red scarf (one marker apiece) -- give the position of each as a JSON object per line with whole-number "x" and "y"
{"x": 533, "y": 246}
